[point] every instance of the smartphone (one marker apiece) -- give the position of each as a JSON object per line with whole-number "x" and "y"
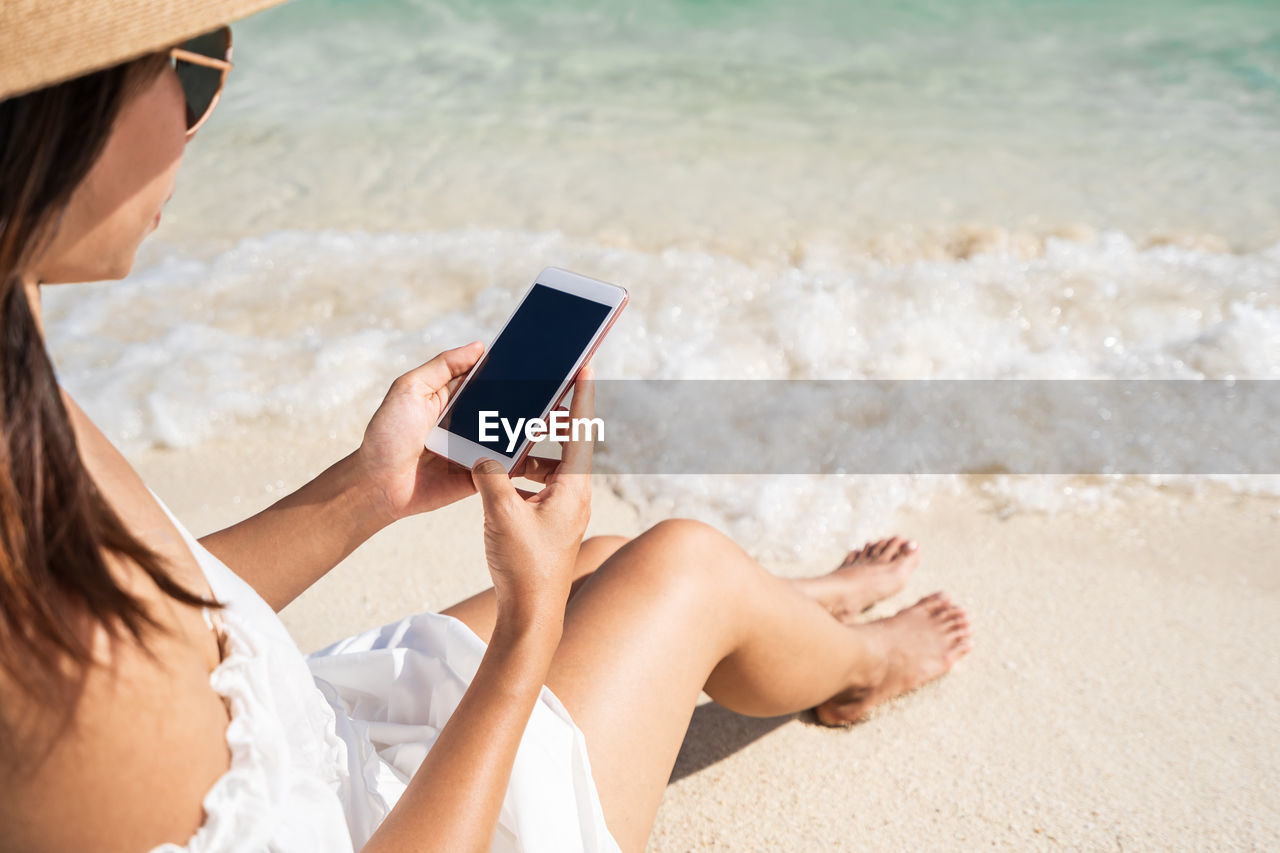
{"x": 527, "y": 370}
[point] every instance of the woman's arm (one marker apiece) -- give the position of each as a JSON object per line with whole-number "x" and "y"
{"x": 453, "y": 801}
{"x": 294, "y": 542}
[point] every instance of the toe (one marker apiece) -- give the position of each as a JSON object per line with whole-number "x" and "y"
{"x": 958, "y": 625}
{"x": 827, "y": 718}
{"x": 931, "y": 601}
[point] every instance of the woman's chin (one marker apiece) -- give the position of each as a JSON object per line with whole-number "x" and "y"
{"x": 117, "y": 270}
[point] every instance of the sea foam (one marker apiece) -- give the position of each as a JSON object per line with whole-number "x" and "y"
{"x": 307, "y": 329}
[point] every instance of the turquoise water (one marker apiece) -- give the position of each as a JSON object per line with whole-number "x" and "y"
{"x": 1148, "y": 116}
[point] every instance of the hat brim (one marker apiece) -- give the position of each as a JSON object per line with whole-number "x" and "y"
{"x": 44, "y": 42}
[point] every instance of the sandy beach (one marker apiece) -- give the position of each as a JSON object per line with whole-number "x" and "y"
{"x": 1121, "y": 695}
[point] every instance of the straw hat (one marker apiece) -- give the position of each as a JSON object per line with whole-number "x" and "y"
{"x": 43, "y": 42}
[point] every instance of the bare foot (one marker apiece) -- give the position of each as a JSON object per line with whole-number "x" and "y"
{"x": 870, "y": 574}
{"x": 920, "y": 643}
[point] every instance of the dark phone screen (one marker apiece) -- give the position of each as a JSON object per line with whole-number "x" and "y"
{"x": 519, "y": 375}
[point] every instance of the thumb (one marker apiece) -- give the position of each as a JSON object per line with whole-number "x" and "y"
{"x": 494, "y": 485}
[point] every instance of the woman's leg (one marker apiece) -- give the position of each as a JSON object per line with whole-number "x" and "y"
{"x": 680, "y": 609}
{"x": 480, "y": 611}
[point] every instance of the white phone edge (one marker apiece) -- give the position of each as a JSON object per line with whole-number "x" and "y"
{"x": 467, "y": 453}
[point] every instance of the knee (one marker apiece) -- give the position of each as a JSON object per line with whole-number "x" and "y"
{"x": 686, "y": 554}
{"x": 685, "y": 533}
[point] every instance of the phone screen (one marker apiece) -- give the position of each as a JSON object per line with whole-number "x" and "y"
{"x": 519, "y": 375}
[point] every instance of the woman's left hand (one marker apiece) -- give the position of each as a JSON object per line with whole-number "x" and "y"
{"x": 400, "y": 472}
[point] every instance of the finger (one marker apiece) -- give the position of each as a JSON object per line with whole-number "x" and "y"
{"x": 452, "y": 388}
{"x": 577, "y": 453}
{"x": 536, "y": 468}
{"x": 497, "y": 492}
{"x": 525, "y": 493}
{"x": 435, "y": 376}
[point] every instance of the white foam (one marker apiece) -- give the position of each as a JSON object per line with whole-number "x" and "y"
{"x": 309, "y": 329}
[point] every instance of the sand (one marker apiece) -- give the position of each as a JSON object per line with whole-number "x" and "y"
{"x": 1121, "y": 695}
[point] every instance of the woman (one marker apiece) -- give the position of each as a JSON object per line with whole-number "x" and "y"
{"x": 149, "y": 697}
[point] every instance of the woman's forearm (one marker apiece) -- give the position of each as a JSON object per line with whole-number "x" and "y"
{"x": 292, "y": 543}
{"x": 453, "y": 801}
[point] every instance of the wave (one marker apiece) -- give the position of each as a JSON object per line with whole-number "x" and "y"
{"x": 306, "y": 329}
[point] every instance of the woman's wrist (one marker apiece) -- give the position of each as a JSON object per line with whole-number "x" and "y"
{"x": 529, "y": 625}
{"x": 362, "y": 493}
{"x": 537, "y": 601}
{"x": 524, "y": 652}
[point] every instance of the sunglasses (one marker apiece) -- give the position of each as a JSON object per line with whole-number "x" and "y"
{"x": 202, "y": 64}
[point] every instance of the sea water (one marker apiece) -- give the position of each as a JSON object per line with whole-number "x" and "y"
{"x": 800, "y": 189}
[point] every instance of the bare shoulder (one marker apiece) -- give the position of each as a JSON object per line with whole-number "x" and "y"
{"x": 128, "y": 766}
{"x": 125, "y": 763}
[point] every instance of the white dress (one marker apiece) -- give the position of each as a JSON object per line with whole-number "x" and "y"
{"x": 322, "y": 746}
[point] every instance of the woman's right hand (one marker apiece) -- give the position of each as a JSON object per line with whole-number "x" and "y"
{"x": 531, "y": 543}
{"x": 454, "y": 799}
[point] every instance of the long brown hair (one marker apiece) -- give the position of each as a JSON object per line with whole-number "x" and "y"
{"x": 55, "y": 526}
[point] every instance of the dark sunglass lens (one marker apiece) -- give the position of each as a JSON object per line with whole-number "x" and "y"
{"x": 212, "y": 45}
{"x": 200, "y": 84}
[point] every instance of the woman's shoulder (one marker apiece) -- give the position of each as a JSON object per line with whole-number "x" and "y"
{"x": 125, "y": 760}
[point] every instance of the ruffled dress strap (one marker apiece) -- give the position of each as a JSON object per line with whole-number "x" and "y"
{"x": 287, "y": 785}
